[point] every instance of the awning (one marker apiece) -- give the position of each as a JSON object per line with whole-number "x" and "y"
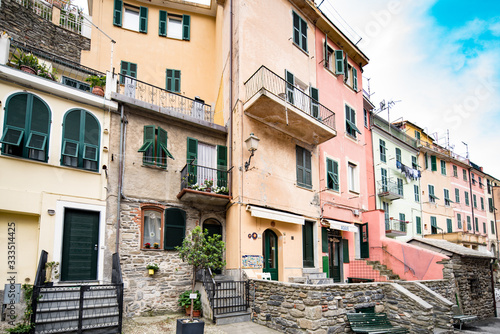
{"x": 336, "y": 225}
{"x": 275, "y": 215}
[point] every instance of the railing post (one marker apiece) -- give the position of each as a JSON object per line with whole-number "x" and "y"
{"x": 80, "y": 309}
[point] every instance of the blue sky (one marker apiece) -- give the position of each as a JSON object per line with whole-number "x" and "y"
{"x": 440, "y": 59}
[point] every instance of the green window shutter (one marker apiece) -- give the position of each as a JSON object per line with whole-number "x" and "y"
{"x": 339, "y": 62}
{"x": 143, "y": 19}
{"x": 132, "y": 70}
{"x": 124, "y": 70}
{"x": 469, "y": 226}
{"x": 426, "y": 161}
{"x": 484, "y": 228}
{"x": 324, "y": 240}
{"x": 303, "y": 167}
{"x": 398, "y": 154}
{"x": 459, "y": 221}
{"x": 325, "y": 52}
{"x": 383, "y": 172}
{"x": 148, "y": 147}
{"x": 186, "y": 27}
{"x": 345, "y": 254}
{"x": 482, "y": 203}
{"x": 416, "y": 193}
{"x": 419, "y": 225}
{"x": 382, "y": 150}
{"x": 303, "y": 31}
{"x": 332, "y": 177}
{"x": 177, "y": 81}
{"x": 117, "y": 13}
{"x": 466, "y": 196}
{"x": 433, "y": 221}
{"x": 290, "y": 86}
{"x": 433, "y": 163}
{"x": 12, "y": 136}
{"x": 354, "y": 79}
{"x": 457, "y": 195}
{"x": 296, "y": 28}
{"x": 443, "y": 167}
{"x": 222, "y": 166}
{"x": 162, "y": 152}
{"x": 314, "y": 101}
{"x": 326, "y": 265}
{"x": 402, "y": 222}
{"x": 169, "y": 84}
{"x": 449, "y": 225}
{"x": 414, "y": 163}
{"x": 492, "y": 227}
{"x": 346, "y": 68}
{"x": 175, "y": 228}
{"x": 476, "y": 220}
{"x": 490, "y": 204}
{"x": 192, "y": 156}
{"x": 162, "y": 25}
{"x": 400, "y": 187}
{"x": 474, "y": 200}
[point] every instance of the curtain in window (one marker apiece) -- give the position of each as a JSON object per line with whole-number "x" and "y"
{"x": 206, "y": 158}
{"x": 152, "y": 227}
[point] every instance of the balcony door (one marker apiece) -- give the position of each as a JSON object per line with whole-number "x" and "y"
{"x": 207, "y": 163}
{"x": 270, "y": 252}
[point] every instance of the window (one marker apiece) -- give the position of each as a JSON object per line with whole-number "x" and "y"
{"x": 476, "y": 221}
{"x": 130, "y": 17}
{"x": 432, "y": 197}
{"x": 350, "y": 120}
{"x": 314, "y": 93}
{"x": 447, "y": 199}
{"x": 385, "y": 206}
{"x": 328, "y": 56}
{"x": 433, "y": 163}
{"x": 469, "y": 226}
{"x": 352, "y": 171}
{"x": 351, "y": 75}
{"x": 382, "y": 150}
{"x": 165, "y": 227}
{"x": 365, "y": 114}
{"x": 173, "y": 83}
{"x": 492, "y": 227}
{"x": 207, "y": 162}
{"x": 457, "y": 195}
{"x": 26, "y": 127}
{"x": 449, "y": 225}
{"x": 419, "y": 225}
{"x": 464, "y": 172}
{"x": 490, "y": 204}
{"x": 473, "y": 178}
{"x": 76, "y": 84}
{"x": 416, "y": 193}
{"x": 129, "y": 69}
{"x": 174, "y": 26}
{"x": 480, "y": 183}
{"x": 398, "y": 154}
{"x": 299, "y": 32}
{"x": 433, "y": 225}
{"x": 466, "y": 196}
{"x": 304, "y": 178}
{"x": 426, "y": 161}
{"x": 459, "y": 220}
{"x": 484, "y": 228}
{"x": 488, "y": 186}
{"x": 455, "y": 171}
{"x": 383, "y": 171}
{"x": 482, "y": 203}
{"x": 417, "y": 135}
{"x": 332, "y": 174}
{"x": 402, "y": 222}
{"x": 81, "y": 140}
{"x": 474, "y": 200}
{"x": 339, "y": 62}
{"x": 400, "y": 187}
{"x": 443, "y": 167}
{"x": 154, "y": 148}
{"x": 414, "y": 163}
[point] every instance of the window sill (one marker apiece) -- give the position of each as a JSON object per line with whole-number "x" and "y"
{"x": 48, "y": 164}
{"x": 300, "y": 48}
{"x": 354, "y": 192}
{"x": 350, "y": 137}
{"x": 151, "y": 249}
{"x": 304, "y": 187}
{"x": 352, "y": 89}
{"x": 164, "y": 169}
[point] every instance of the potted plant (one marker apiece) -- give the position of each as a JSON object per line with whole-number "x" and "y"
{"x": 201, "y": 251}
{"x": 97, "y": 83}
{"x": 156, "y": 245}
{"x": 44, "y": 72}
{"x": 25, "y": 62}
{"x": 151, "y": 266}
{"x": 208, "y": 185}
{"x": 187, "y": 303}
{"x": 147, "y": 245}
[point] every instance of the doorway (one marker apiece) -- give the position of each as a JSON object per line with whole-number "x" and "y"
{"x": 308, "y": 244}
{"x": 270, "y": 252}
{"x": 213, "y": 227}
{"x": 334, "y": 249}
{"x": 363, "y": 241}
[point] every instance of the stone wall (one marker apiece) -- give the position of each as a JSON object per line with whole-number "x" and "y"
{"x": 24, "y": 26}
{"x": 300, "y": 308}
{"x": 443, "y": 287}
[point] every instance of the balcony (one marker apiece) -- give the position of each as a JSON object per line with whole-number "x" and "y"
{"x": 467, "y": 239}
{"x": 204, "y": 185}
{"x": 389, "y": 190}
{"x": 395, "y": 227}
{"x": 271, "y": 100}
{"x": 394, "y": 131}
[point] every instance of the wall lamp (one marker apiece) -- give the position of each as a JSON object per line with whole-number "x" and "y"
{"x": 252, "y": 144}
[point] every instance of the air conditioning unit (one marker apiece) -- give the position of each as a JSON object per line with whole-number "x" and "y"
{"x": 355, "y": 212}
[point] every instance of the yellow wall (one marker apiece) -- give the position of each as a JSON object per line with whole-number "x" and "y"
{"x": 410, "y": 131}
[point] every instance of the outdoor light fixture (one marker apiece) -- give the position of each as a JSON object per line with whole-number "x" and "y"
{"x": 252, "y": 144}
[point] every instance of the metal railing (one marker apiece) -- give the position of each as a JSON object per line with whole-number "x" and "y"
{"x": 389, "y": 187}
{"x": 394, "y": 131}
{"x": 395, "y": 225}
{"x": 203, "y": 178}
{"x": 266, "y": 79}
{"x": 39, "y": 7}
{"x": 226, "y": 296}
{"x": 71, "y": 19}
{"x": 173, "y": 102}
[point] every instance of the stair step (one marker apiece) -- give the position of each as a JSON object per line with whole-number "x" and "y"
{"x": 232, "y": 318}
{"x": 319, "y": 281}
{"x": 297, "y": 279}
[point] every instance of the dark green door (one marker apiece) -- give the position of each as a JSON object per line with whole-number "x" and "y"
{"x": 334, "y": 253}
{"x": 213, "y": 227}
{"x": 270, "y": 252}
{"x": 307, "y": 245}
{"x": 80, "y": 245}
{"x": 363, "y": 235}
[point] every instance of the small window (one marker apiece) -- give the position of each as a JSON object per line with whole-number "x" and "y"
{"x": 417, "y": 135}
{"x": 464, "y": 172}
{"x": 174, "y": 26}
{"x": 173, "y": 83}
{"x": 433, "y": 225}
{"x": 443, "y": 167}
{"x": 416, "y": 193}
{"x": 398, "y": 154}
{"x": 432, "y": 197}
{"x": 134, "y": 18}
{"x": 469, "y": 226}
{"x": 129, "y": 69}
{"x": 419, "y": 225}
{"x": 455, "y": 171}
{"x": 332, "y": 174}
{"x": 457, "y": 195}
{"x": 473, "y": 179}
{"x": 466, "y": 196}
{"x": 303, "y": 164}
{"x": 329, "y": 57}
{"x": 350, "y": 120}
{"x": 490, "y": 205}
{"x": 365, "y": 113}
{"x": 414, "y": 163}
{"x": 152, "y": 228}
{"x": 482, "y": 203}
{"x": 299, "y": 32}
{"x": 382, "y": 149}
{"x": 352, "y": 170}
{"x": 447, "y": 199}
{"x": 400, "y": 187}
{"x": 154, "y": 148}
{"x": 162, "y": 229}
{"x": 480, "y": 183}
{"x": 488, "y": 186}
{"x": 459, "y": 221}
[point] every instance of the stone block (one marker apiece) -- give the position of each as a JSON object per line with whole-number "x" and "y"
{"x": 313, "y": 312}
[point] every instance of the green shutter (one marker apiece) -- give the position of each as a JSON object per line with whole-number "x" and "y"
{"x": 433, "y": 163}
{"x": 162, "y": 152}
{"x": 419, "y": 225}
{"x": 346, "y": 68}
{"x": 459, "y": 221}
{"x": 290, "y": 86}
{"x": 177, "y": 81}
{"x": 325, "y": 52}
{"x": 492, "y": 227}
{"x": 324, "y": 240}
{"x": 117, "y": 13}
{"x": 132, "y": 70}
{"x": 490, "y": 204}
{"x": 398, "y": 154}
{"x": 426, "y": 161}
{"x": 345, "y": 244}
{"x": 355, "y": 79}
{"x": 457, "y": 195}
{"x": 332, "y": 174}
{"x": 143, "y": 19}
{"x": 326, "y": 265}
{"x": 339, "y": 62}
{"x": 433, "y": 221}
{"x": 221, "y": 166}
{"x": 314, "y": 101}
{"x": 192, "y": 156}
{"x": 449, "y": 225}
{"x": 162, "y": 25}
{"x": 12, "y": 136}
{"x": 186, "y": 27}
{"x": 175, "y": 228}
{"x": 148, "y": 147}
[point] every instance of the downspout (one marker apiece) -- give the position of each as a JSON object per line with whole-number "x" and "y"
{"x": 120, "y": 180}
{"x": 230, "y": 146}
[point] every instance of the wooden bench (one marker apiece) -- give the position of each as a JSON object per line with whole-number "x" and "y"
{"x": 459, "y": 318}
{"x": 374, "y": 323}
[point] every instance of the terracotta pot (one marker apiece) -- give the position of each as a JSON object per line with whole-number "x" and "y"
{"x": 28, "y": 69}
{"x": 98, "y": 91}
{"x": 196, "y": 313}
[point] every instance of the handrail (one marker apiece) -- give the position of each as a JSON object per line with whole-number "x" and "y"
{"x": 406, "y": 266}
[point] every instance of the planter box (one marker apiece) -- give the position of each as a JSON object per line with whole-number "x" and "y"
{"x": 190, "y": 327}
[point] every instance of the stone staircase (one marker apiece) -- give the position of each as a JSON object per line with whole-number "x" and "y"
{"x": 311, "y": 276}
{"x": 371, "y": 270}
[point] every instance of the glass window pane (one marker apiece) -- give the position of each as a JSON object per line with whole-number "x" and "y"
{"x": 152, "y": 227}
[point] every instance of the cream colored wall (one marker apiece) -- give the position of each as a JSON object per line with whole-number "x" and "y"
{"x": 153, "y": 54}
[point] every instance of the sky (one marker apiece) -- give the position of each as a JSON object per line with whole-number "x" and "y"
{"x": 439, "y": 61}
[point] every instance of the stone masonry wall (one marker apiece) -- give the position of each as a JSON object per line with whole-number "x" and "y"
{"x": 300, "y": 308}
{"x": 23, "y": 25}
{"x": 442, "y": 287}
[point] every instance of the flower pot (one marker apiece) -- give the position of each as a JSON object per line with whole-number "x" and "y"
{"x": 28, "y": 69}
{"x": 196, "y": 313}
{"x": 98, "y": 91}
{"x": 190, "y": 327}
{"x": 151, "y": 272}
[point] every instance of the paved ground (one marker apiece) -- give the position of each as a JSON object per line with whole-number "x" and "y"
{"x": 246, "y": 328}
{"x": 491, "y": 325}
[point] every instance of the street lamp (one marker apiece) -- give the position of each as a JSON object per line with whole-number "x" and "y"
{"x": 252, "y": 144}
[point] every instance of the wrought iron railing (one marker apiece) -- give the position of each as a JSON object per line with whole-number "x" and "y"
{"x": 395, "y": 225}
{"x": 266, "y": 79}
{"x": 226, "y": 296}
{"x": 203, "y": 178}
{"x": 173, "y": 102}
{"x": 391, "y": 187}
{"x": 41, "y": 8}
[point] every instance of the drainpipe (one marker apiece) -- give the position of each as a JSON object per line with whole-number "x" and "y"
{"x": 120, "y": 179}
{"x": 230, "y": 146}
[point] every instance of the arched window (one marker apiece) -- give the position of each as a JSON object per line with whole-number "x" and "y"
{"x": 26, "y": 127}
{"x": 81, "y": 137}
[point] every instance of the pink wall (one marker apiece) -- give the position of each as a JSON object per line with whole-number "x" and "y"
{"x": 394, "y": 254}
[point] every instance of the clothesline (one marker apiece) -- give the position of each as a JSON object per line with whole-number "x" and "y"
{"x": 410, "y": 173}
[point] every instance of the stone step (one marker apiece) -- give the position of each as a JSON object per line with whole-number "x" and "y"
{"x": 318, "y": 281}
{"x": 232, "y": 318}
{"x": 297, "y": 279}
{"x": 315, "y": 275}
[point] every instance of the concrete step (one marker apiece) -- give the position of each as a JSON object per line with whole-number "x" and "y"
{"x": 315, "y": 275}
{"x": 319, "y": 281}
{"x": 297, "y": 279}
{"x": 232, "y": 318}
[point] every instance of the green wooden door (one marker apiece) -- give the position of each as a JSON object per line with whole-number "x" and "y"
{"x": 80, "y": 245}
{"x": 364, "y": 245}
{"x": 307, "y": 245}
{"x": 213, "y": 227}
{"x": 270, "y": 252}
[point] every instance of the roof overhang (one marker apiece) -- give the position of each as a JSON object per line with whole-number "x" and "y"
{"x": 271, "y": 214}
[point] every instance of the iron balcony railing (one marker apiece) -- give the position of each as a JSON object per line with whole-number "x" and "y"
{"x": 41, "y": 8}
{"x": 140, "y": 90}
{"x": 389, "y": 187}
{"x": 395, "y": 225}
{"x": 203, "y": 178}
{"x": 266, "y": 79}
